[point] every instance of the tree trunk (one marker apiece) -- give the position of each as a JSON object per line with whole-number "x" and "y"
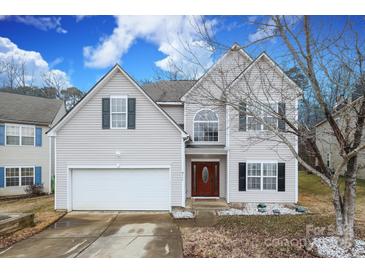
{"x": 345, "y": 206}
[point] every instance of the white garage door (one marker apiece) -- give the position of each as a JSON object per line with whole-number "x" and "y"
{"x": 120, "y": 189}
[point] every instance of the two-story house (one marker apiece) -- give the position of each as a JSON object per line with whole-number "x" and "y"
{"x": 127, "y": 147}
{"x": 25, "y": 149}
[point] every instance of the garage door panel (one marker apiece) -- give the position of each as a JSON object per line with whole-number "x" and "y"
{"x": 120, "y": 189}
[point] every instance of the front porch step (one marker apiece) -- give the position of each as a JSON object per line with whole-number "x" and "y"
{"x": 208, "y": 204}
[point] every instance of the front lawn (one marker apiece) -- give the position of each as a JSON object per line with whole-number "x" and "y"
{"x": 273, "y": 236}
{"x": 44, "y": 215}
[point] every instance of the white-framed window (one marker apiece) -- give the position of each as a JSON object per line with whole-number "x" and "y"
{"x": 254, "y": 124}
{"x": 118, "y": 112}
{"x": 262, "y": 176}
{"x": 206, "y": 126}
{"x": 254, "y": 176}
{"x": 19, "y": 176}
{"x": 20, "y": 135}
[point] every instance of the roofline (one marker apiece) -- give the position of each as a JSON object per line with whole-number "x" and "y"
{"x": 170, "y": 103}
{"x": 24, "y": 122}
{"x": 339, "y": 111}
{"x": 62, "y": 121}
{"x": 262, "y": 54}
{"x": 235, "y": 45}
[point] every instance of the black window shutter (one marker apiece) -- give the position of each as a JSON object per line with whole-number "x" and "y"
{"x": 242, "y": 176}
{"x": 281, "y": 110}
{"x": 105, "y": 113}
{"x": 242, "y": 117}
{"x": 131, "y": 113}
{"x": 281, "y": 176}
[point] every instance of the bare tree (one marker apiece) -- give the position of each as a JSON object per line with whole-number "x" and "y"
{"x": 55, "y": 81}
{"x": 332, "y": 65}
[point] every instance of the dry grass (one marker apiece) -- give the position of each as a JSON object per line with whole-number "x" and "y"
{"x": 272, "y": 236}
{"x": 44, "y": 215}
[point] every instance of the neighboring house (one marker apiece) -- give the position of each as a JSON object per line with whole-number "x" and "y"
{"x": 25, "y": 151}
{"x": 127, "y": 147}
{"x": 345, "y": 117}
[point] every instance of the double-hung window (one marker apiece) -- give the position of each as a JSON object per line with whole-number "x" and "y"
{"x": 118, "y": 113}
{"x": 18, "y": 135}
{"x": 19, "y": 176}
{"x": 253, "y": 123}
{"x": 262, "y": 176}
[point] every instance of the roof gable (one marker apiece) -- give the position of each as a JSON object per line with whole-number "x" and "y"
{"x": 274, "y": 65}
{"x": 234, "y": 48}
{"x": 97, "y": 87}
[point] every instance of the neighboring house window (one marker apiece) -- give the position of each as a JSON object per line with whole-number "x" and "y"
{"x": 20, "y": 135}
{"x": 19, "y": 176}
{"x": 206, "y": 126}
{"x": 262, "y": 176}
{"x": 254, "y": 124}
{"x": 118, "y": 113}
{"x": 328, "y": 159}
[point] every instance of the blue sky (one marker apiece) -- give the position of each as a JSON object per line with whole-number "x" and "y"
{"x": 82, "y": 49}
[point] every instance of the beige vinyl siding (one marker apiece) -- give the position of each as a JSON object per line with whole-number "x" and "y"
{"x": 327, "y": 143}
{"x": 82, "y": 141}
{"x": 246, "y": 146}
{"x": 175, "y": 112}
{"x": 201, "y": 158}
{"x": 19, "y": 156}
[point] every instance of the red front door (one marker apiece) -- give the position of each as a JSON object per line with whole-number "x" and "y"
{"x": 205, "y": 179}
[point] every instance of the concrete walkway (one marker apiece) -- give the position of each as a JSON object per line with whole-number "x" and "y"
{"x": 104, "y": 235}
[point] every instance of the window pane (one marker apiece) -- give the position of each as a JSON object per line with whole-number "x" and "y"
{"x": 119, "y": 105}
{"x": 206, "y": 131}
{"x": 11, "y": 172}
{"x": 12, "y": 176}
{"x": 269, "y": 169}
{"x": 28, "y": 131}
{"x": 12, "y": 135}
{"x": 253, "y": 124}
{"x": 27, "y": 171}
{"x": 28, "y": 141}
{"x": 116, "y": 120}
{"x": 271, "y": 121}
{"x": 253, "y": 183}
{"x": 12, "y": 140}
{"x": 12, "y": 130}
{"x": 12, "y": 181}
{"x": 254, "y": 169}
{"x": 269, "y": 183}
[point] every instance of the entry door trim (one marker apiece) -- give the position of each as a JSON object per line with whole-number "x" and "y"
{"x": 193, "y": 162}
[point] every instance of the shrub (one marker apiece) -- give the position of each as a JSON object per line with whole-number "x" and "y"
{"x": 34, "y": 190}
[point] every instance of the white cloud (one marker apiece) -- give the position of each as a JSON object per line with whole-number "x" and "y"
{"x": 175, "y": 36}
{"x": 35, "y": 65}
{"x": 44, "y": 23}
{"x": 266, "y": 26}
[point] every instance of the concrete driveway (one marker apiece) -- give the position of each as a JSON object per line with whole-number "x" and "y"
{"x": 93, "y": 235}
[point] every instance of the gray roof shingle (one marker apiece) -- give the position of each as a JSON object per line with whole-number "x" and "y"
{"x": 168, "y": 91}
{"x": 28, "y": 109}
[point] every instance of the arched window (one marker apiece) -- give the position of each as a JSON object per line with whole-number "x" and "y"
{"x": 206, "y": 126}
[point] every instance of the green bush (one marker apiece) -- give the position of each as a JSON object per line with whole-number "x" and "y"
{"x": 52, "y": 184}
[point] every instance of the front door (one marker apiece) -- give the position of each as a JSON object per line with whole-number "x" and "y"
{"x": 205, "y": 179}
